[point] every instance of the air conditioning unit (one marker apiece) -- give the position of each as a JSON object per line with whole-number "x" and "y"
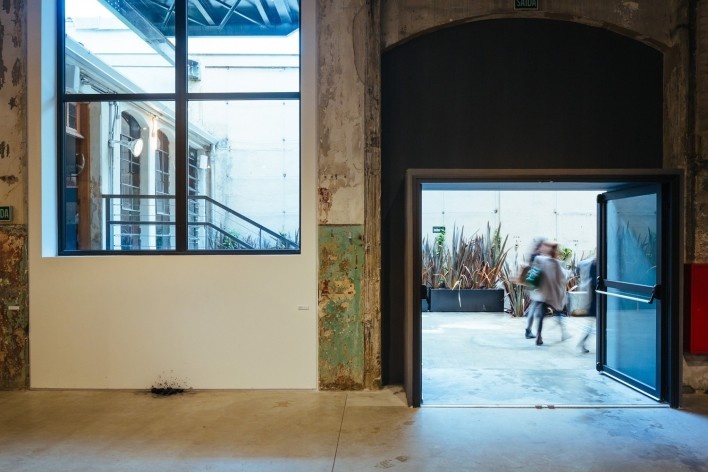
{"x": 72, "y": 78}
{"x": 194, "y": 70}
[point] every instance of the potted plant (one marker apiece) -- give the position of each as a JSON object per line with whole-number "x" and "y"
{"x": 465, "y": 275}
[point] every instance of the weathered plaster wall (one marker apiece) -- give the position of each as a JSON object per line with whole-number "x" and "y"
{"x": 647, "y": 19}
{"x": 341, "y": 257}
{"x": 344, "y": 147}
{"x": 14, "y": 360}
{"x": 349, "y": 184}
{"x": 12, "y": 108}
{"x": 348, "y": 38}
{"x": 14, "y": 323}
{"x": 696, "y": 366}
{"x": 699, "y": 164}
{"x": 341, "y": 119}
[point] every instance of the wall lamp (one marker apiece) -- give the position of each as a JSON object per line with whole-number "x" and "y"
{"x": 135, "y": 146}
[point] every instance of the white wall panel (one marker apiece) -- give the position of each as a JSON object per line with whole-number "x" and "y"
{"x": 213, "y": 322}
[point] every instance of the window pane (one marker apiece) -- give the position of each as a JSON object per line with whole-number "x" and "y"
{"x": 121, "y": 129}
{"x": 119, "y": 184}
{"x": 245, "y": 194}
{"x": 632, "y": 221}
{"x": 115, "y": 47}
{"x": 241, "y": 46}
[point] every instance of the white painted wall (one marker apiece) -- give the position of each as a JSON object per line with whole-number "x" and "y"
{"x": 567, "y": 216}
{"x": 210, "y": 322}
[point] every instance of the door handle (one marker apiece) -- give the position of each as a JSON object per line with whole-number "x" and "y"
{"x": 648, "y": 301}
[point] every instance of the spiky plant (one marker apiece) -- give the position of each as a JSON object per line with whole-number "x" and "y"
{"x": 487, "y": 260}
{"x": 436, "y": 262}
{"x": 517, "y": 293}
{"x": 474, "y": 262}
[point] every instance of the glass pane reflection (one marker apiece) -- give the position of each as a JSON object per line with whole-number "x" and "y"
{"x": 631, "y": 228}
{"x": 631, "y": 339}
{"x": 632, "y": 324}
{"x": 119, "y": 185}
{"x": 250, "y": 198}
{"x": 112, "y": 48}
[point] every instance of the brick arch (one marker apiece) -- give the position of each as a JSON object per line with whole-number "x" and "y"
{"x": 403, "y": 20}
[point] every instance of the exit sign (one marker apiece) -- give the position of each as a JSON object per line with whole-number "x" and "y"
{"x": 438, "y": 229}
{"x": 525, "y": 4}
{"x": 5, "y": 213}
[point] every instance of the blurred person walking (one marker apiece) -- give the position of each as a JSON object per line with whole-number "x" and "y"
{"x": 535, "y": 251}
{"x": 549, "y": 296}
{"x": 588, "y": 281}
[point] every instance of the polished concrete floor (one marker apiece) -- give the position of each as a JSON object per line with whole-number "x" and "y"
{"x": 493, "y": 401}
{"x": 483, "y": 359}
{"x": 336, "y": 431}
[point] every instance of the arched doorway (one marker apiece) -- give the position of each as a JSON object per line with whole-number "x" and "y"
{"x": 523, "y": 94}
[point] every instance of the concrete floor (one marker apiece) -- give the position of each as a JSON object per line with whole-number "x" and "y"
{"x": 336, "y": 431}
{"x": 483, "y": 359}
{"x": 545, "y": 409}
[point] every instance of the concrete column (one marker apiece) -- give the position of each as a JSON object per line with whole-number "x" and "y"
{"x": 349, "y": 191}
{"x": 14, "y": 316}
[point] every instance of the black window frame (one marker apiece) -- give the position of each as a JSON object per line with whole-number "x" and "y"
{"x": 181, "y": 97}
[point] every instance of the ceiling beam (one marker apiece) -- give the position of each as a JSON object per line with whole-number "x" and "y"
{"x": 259, "y": 6}
{"x": 283, "y": 11}
{"x": 207, "y": 11}
{"x": 148, "y": 32}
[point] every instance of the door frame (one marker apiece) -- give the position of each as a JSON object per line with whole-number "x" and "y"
{"x": 548, "y": 179}
{"x": 606, "y": 285}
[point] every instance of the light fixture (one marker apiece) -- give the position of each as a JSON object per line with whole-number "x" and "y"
{"x": 135, "y": 146}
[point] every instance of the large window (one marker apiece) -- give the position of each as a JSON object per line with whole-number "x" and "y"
{"x": 179, "y": 126}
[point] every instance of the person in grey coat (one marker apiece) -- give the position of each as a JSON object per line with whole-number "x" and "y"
{"x": 549, "y": 296}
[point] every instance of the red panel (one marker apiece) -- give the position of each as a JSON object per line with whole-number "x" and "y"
{"x": 697, "y": 284}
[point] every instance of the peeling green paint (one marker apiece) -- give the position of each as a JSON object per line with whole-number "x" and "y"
{"x": 14, "y": 317}
{"x": 341, "y": 333}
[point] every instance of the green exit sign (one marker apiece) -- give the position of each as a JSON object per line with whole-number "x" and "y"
{"x": 525, "y": 4}
{"x": 5, "y": 213}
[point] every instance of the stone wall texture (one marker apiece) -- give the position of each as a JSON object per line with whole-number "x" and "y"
{"x": 698, "y": 165}
{"x": 14, "y": 316}
{"x": 13, "y": 106}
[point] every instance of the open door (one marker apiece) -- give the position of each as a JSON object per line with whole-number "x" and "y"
{"x": 632, "y": 312}
{"x": 640, "y": 260}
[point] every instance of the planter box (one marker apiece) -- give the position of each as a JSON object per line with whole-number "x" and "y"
{"x": 578, "y": 303}
{"x": 484, "y": 299}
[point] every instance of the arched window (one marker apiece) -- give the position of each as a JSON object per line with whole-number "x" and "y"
{"x": 163, "y": 233}
{"x": 194, "y": 207}
{"x": 129, "y": 184}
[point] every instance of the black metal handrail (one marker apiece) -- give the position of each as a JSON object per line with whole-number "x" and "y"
{"x": 234, "y": 241}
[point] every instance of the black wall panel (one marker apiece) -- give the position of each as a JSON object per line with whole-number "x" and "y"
{"x": 514, "y": 93}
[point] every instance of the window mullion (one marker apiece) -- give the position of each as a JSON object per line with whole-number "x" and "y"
{"x": 222, "y": 98}
{"x": 181, "y": 127}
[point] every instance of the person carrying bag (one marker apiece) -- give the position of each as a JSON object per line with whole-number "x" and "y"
{"x": 548, "y": 295}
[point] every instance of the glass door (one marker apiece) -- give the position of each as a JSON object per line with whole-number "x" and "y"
{"x": 629, "y": 287}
